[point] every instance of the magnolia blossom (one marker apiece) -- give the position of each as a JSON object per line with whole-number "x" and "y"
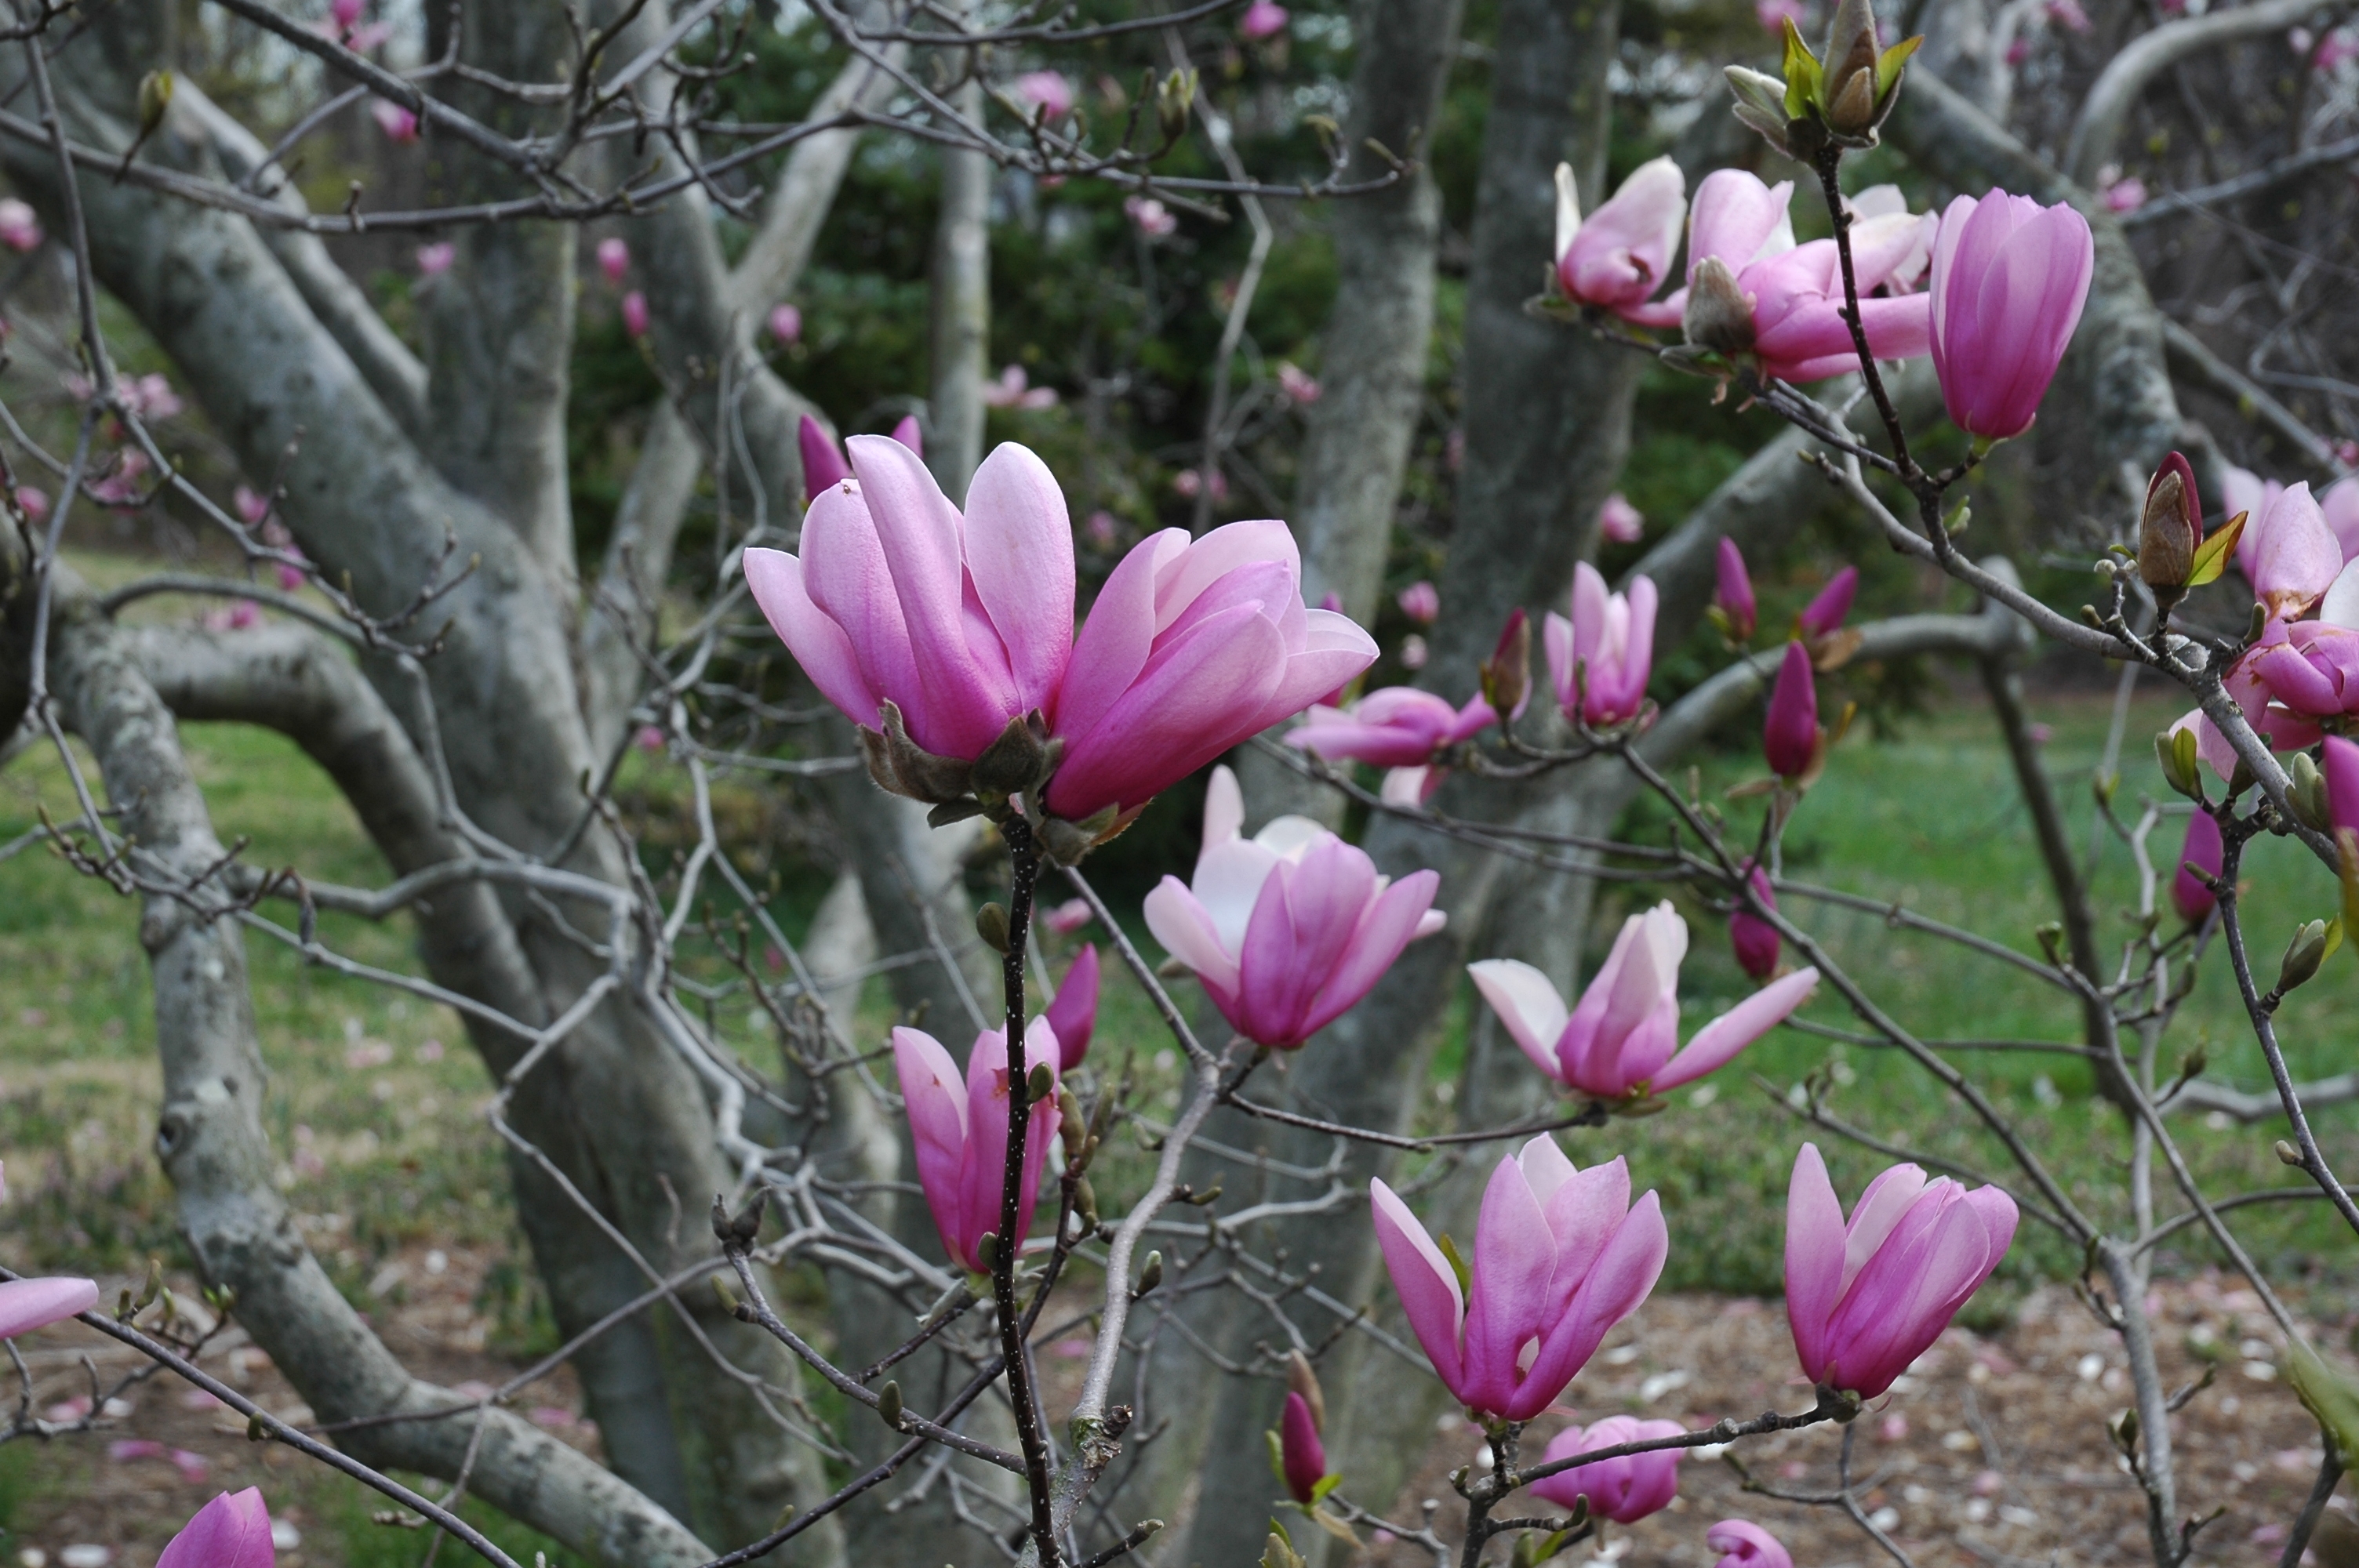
{"x": 2125, "y": 195}
{"x": 397, "y": 124}
{"x": 1789, "y": 736}
{"x": 1393, "y": 727}
{"x": 1773, "y": 14}
{"x": 961, "y": 1131}
{"x": 1733, "y": 592}
{"x": 963, "y": 624}
{"x": 1624, "y": 1490}
{"x": 1153, "y": 220}
{"x": 1561, "y": 1256}
{"x": 33, "y": 501}
{"x": 1289, "y": 928}
{"x": 2341, "y": 505}
{"x": 1301, "y": 1456}
{"x": 1619, "y": 255}
{"x": 2202, "y": 849}
{"x": 1263, "y": 19}
{"x": 1623, "y": 1040}
{"x": 2295, "y": 555}
{"x": 823, "y": 461}
{"x": 1301, "y": 388}
{"x": 1754, "y": 939}
{"x": 787, "y": 324}
{"x": 434, "y": 260}
{"x": 1866, "y": 1298}
{"x": 231, "y": 1532}
{"x": 251, "y": 506}
{"x": 1190, "y": 483}
{"x": 1073, "y": 1014}
{"x": 2009, "y": 279}
{"x": 1744, "y": 1544}
{"x": 2242, "y": 490}
{"x": 1414, "y": 652}
{"x": 1421, "y": 601}
{"x": 614, "y": 259}
{"x": 1825, "y": 612}
{"x": 1012, "y": 390}
{"x": 19, "y": 229}
{"x": 1051, "y": 92}
{"x": 1620, "y": 522}
{"x": 1599, "y": 660}
{"x": 1068, "y": 917}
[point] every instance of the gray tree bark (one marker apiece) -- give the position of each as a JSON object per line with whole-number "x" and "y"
{"x": 959, "y": 328}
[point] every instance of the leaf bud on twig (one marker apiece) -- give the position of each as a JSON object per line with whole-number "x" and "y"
{"x": 991, "y": 925}
{"x": 2302, "y": 956}
{"x": 1149, "y": 1276}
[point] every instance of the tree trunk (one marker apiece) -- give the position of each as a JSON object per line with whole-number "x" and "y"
{"x": 959, "y": 329}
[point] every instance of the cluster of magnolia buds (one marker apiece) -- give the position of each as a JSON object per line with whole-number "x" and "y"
{"x": 1837, "y": 100}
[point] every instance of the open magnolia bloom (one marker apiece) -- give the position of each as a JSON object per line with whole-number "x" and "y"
{"x": 1624, "y": 1490}
{"x": 1561, "y": 1256}
{"x": 1620, "y": 254}
{"x": 1288, "y": 928}
{"x": 231, "y": 1532}
{"x": 1393, "y": 727}
{"x": 1599, "y": 660}
{"x": 1624, "y": 1039}
{"x": 961, "y": 1131}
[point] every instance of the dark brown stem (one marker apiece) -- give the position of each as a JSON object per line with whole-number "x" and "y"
{"x": 1829, "y": 165}
{"x": 1024, "y": 858}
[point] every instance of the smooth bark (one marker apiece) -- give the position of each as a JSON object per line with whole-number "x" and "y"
{"x": 958, "y": 332}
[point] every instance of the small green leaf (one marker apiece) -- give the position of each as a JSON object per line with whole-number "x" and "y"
{"x": 1889, "y": 63}
{"x": 1335, "y": 1527}
{"x": 2212, "y": 555}
{"x": 1449, "y": 1247}
{"x": 2329, "y": 1395}
{"x": 1277, "y": 1457}
{"x": 1324, "y": 1485}
{"x": 1802, "y": 74}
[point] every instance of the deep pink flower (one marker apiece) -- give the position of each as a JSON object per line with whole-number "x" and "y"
{"x": 1263, "y": 19}
{"x": 614, "y": 259}
{"x": 20, "y": 229}
{"x": 2202, "y": 848}
{"x": 1624, "y": 1038}
{"x": 1074, "y": 1012}
{"x": 1733, "y": 592}
{"x": 1302, "y": 1455}
{"x": 398, "y": 123}
{"x": 1825, "y": 614}
{"x": 960, "y": 1130}
{"x": 30, "y": 1304}
{"x": 1755, "y": 940}
{"x": 2341, "y": 770}
{"x": 1561, "y": 1256}
{"x": 787, "y": 324}
{"x": 1392, "y": 727}
{"x": 1620, "y": 522}
{"x": 2296, "y": 555}
{"x": 1744, "y": 1544}
{"x": 1289, "y": 928}
{"x": 252, "y": 506}
{"x": 1789, "y": 737}
{"x": 231, "y": 1532}
{"x": 1624, "y": 1490}
{"x": 635, "y": 321}
{"x": 1421, "y": 602}
{"x": 1600, "y": 659}
{"x": 2009, "y": 279}
{"x": 434, "y": 260}
{"x": 2125, "y": 195}
{"x": 33, "y": 500}
{"x": 1051, "y": 91}
{"x": 1621, "y": 253}
{"x": 1866, "y": 1298}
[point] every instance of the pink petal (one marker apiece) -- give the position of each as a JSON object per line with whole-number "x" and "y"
{"x": 1717, "y": 1042}
{"x": 1624, "y": 1275}
{"x": 1527, "y": 1005}
{"x": 1397, "y": 917}
{"x": 231, "y": 1532}
{"x": 937, "y": 1110}
{"x": 1425, "y": 1282}
{"x": 1814, "y": 1258}
{"x": 1515, "y": 1257}
{"x": 818, "y": 644}
{"x": 1019, "y": 550}
{"x": 30, "y": 1304}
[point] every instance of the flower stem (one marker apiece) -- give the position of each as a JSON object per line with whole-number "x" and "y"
{"x": 1024, "y": 855}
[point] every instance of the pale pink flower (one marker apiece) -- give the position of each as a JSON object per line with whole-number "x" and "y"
{"x": 1301, "y": 388}
{"x": 231, "y": 1532}
{"x": 2125, "y": 195}
{"x": 30, "y": 1304}
{"x": 1188, "y": 483}
{"x": 1600, "y": 659}
{"x": 1012, "y": 389}
{"x": 1051, "y": 92}
{"x": 2068, "y": 14}
{"x": 961, "y": 1131}
{"x": 635, "y": 321}
{"x": 1421, "y": 601}
{"x": 397, "y": 124}
{"x": 1744, "y": 1544}
{"x": 1393, "y": 727}
{"x": 1068, "y": 917}
{"x": 20, "y": 229}
{"x": 1773, "y": 14}
{"x": 1414, "y": 652}
{"x": 34, "y": 501}
{"x": 2010, "y": 277}
{"x": 434, "y": 260}
{"x": 251, "y": 506}
{"x": 1153, "y": 220}
{"x": 1620, "y": 522}
{"x": 1624, "y": 1490}
{"x": 1618, "y": 256}
{"x": 2296, "y": 555}
{"x": 787, "y": 323}
{"x": 614, "y": 259}
{"x": 1100, "y": 527}
{"x": 1263, "y": 19}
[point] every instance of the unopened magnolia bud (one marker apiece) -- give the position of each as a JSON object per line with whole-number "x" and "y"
{"x": 1760, "y": 102}
{"x": 1173, "y": 98}
{"x": 986, "y": 1250}
{"x": 2287, "y": 1154}
{"x": 2306, "y": 793}
{"x": 1507, "y": 672}
{"x": 2169, "y": 529}
{"x": 1070, "y": 1129}
{"x": 1301, "y": 1379}
{"x": 2124, "y": 1430}
{"x": 889, "y": 1403}
{"x": 1719, "y": 316}
{"x": 1039, "y": 1084}
{"x": 1085, "y": 1202}
{"x": 2175, "y": 750}
{"x": 254, "y": 1430}
{"x": 2051, "y": 940}
{"x": 2302, "y": 957}
{"x": 1151, "y": 1275}
{"x": 991, "y": 925}
{"x": 155, "y": 99}
{"x": 728, "y": 1297}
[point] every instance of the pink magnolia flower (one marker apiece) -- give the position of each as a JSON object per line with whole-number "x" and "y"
{"x": 289, "y": 573}
{"x": 1825, "y": 612}
{"x": 1890, "y": 201}
{"x": 1300, "y": 1453}
{"x": 787, "y": 323}
{"x": 1866, "y": 1298}
{"x": 1153, "y": 220}
{"x": 231, "y": 1532}
{"x": 635, "y": 321}
{"x": 1773, "y": 14}
{"x": 2009, "y": 279}
{"x": 2125, "y": 195}
{"x": 1414, "y": 652}
{"x": 1188, "y": 483}
{"x": 1623, "y": 1040}
{"x": 1789, "y": 736}
{"x": 961, "y": 1131}
{"x": 2296, "y": 556}
{"x": 1744, "y": 1544}
{"x": 1621, "y": 253}
{"x": 346, "y": 13}
{"x": 1421, "y": 601}
{"x": 1301, "y": 388}
{"x": 1263, "y": 19}
{"x": 823, "y": 463}
{"x": 30, "y": 1304}
{"x": 2341, "y": 505}
{"x": 1073, "y": 1015}
{"x": 649, "y": 738}
{"x": 1624, "y": 1490}
{"x": 121, "y": 485}
{"x": 2341, "y": 770}
{"x": 1619, "y": 521}
{"x": 614, "y": 259}
{"x": 1393, "y": 727}
{"x": 398, "y": 123}
{"x": 34, "y": 501}
{"x": 1051, "y": 91}
{"x": 1600, "y": 659}
{"x": 1289, "y": 928}
{"x": 1755, "y": 940}
{"x": 2242, "y": 490}
{"x": 1068, "y": 917}
{"x": 1011, "y": 391}
{"x": 251, "y": 506}
{"x": 2203, "y": 849}
{"x": 1561, "y": 1256}
{"x": 19, "y": 229}
{"x": 434, "y": 260}
{"x": 1733, "y": 592}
